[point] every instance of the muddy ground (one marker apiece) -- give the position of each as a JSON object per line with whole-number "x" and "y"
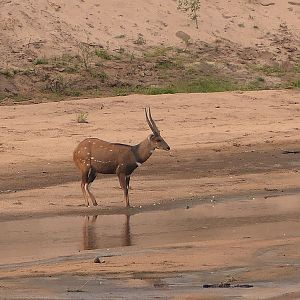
{"x": 231, "y": 177}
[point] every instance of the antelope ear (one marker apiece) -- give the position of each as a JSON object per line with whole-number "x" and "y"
{"x": 151, "y": 137}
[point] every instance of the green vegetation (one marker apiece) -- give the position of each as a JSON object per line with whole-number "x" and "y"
{"x": 140, "y": 40}
{"x": 66, "y": 63}
{"x": 296, "y": 69}
{"x": 143, "y": 90}
{"x": 2, "y": 97}
{"x": 165, "y": 64}
{"x": 205, "y": 85}
{"x": 41, "y": 61}
{"x": 296, "y": 84}
{"x": 61, "y": 86}
{"x": 276, "y": 69}
{"x": 148, "y": 90}
{"x": 95, "y": 72}
{"x": 155, "y": 52}
{"x": 85, "y": 53}
{"x": 27, "y": 72}
{"x": 8, "y": 72}
{"x": 99, "y": 74}
{"x": 102, "y": 53}
{"x": 82, "y": 117}
{"x": 254, "y": 85}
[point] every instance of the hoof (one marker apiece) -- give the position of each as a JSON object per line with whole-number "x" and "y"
{"x": 95, "y": 204}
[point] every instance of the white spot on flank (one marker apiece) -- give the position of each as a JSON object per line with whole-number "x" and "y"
{"x": 85, "y": 148}
{"x": 110, "y": 150}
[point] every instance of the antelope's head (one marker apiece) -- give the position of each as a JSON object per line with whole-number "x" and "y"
{"x": 157, "y": 142}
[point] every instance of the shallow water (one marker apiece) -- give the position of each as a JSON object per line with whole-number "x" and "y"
{"x": 32, "y": 239}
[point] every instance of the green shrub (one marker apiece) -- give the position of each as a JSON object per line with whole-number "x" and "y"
{"x": 102, "y": 53}
{"x": 140, "y": 40}
{"x": 41, "y": 61}
{"x": 296, "y": 84}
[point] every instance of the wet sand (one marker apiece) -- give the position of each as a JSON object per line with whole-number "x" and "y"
{"x": 23, "y": 240}
{"x": 170, "y": 253}
{"x": 222, "y": 206}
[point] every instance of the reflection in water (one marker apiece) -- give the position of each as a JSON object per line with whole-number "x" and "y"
{"x": 90, "y": 239}
{"x": 89, "y": 234}
{"x": 127, "y": 235}
{"x": 43, "y": 238}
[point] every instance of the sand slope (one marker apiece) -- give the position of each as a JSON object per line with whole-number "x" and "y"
{"x": 54, "y": 27}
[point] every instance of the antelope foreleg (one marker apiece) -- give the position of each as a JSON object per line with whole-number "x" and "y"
{"x": 127, "y": 182}
{"x": 123, "y": 184}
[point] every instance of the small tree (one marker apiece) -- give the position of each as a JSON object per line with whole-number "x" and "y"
{"x": 85, "y": 52}
{"x": 191, "y": 7}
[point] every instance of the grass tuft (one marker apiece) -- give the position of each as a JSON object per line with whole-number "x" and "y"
{"x": 82, "y": 117}
{"x": 41, "y": 61}
{"x": 205, "y": 85}
{"x": 102, "y": 53}
{"x": 296, "y": 84}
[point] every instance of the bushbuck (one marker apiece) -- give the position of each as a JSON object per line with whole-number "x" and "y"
{"x": 93, "y": 156}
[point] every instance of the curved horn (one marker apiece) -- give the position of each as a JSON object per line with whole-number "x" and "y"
{"x": 153, "y": 123}
{"x": 148, "y": 121}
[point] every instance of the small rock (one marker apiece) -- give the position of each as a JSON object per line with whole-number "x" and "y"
{"x": 98, "y": 260}
{"x": 267, "y": 3}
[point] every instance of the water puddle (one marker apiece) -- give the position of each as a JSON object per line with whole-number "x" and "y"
{"x": 32, "y": 239}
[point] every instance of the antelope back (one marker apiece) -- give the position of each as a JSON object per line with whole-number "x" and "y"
{"x": 102, "y": 156}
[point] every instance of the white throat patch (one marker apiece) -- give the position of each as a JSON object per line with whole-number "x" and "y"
{"x": 138, "y": 163}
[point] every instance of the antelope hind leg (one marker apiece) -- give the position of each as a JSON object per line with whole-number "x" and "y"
{"x": 90, "y": 178}
{"x": 85, "y": 196}
{"x": 91, "y": 195}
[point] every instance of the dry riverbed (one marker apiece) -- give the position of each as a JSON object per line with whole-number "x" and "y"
{"x": 220, "y": 208}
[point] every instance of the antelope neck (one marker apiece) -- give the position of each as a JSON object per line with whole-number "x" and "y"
{"x": 143, "y": 150}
